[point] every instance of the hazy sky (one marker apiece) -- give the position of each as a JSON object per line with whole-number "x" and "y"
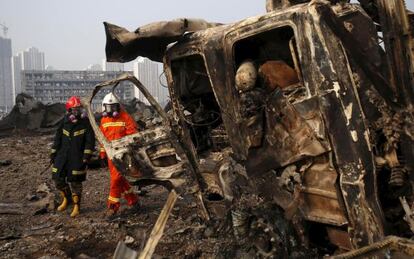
{"x": 71, "y": 33}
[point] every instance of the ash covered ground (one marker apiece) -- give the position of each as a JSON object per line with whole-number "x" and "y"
{"x": 30, "y": 226}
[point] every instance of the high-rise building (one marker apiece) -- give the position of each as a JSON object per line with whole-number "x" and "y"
{"x": 33, "y": 59}
{"x": 164, "y": 95}
{"x": 94, "y": 67}
{"x": 30, "y": 59}
{"x": 57, "y": 86}
{"x": 16, "y": 74}
{"x": 112, "y": 66}
{"x": 6, "y": 87}
{"x": 147, "y": 72}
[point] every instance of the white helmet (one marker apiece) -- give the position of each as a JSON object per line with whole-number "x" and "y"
{"x": 246, "y": 76}
{"x": 110, "y": 99}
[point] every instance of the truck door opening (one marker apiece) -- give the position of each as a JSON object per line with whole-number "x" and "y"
{"x": 273, "y": 54}
{"x": 198, "y": 104}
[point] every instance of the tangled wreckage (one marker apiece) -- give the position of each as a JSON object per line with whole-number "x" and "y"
{"x": 296, "y": 126}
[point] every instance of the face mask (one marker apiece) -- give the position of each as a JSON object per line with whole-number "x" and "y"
{"x": 73, "y": 118}
{"x": 110, "y": 114}
{"x": 111, "y": 111}
{"x": 76, "y": 114}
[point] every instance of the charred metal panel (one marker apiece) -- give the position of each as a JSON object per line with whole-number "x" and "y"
{"x": 148, "y": 41}
{"x": 364, "y": 214}
{"x": 411, "y": 19}
{"x": 155, "y": 158}
{"x": 320, "y": 194}
{"x": 347, "y": 128}
{"x": 356, "y": 50}
{"x": 399, "y": 45}
{"x": 268, "y": 186}
{"x": 340, "y": 238}
{"x": 272, "y": 5}
{"x": 288, "y": 138}
{"x": 315, "y": 63}
{"x": 364, "y": 33}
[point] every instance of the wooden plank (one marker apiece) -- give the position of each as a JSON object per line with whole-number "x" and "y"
{"x": 158, "y": 229}
{"x": 11, "y": 208}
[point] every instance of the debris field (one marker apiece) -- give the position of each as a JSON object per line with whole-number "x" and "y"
{"x": 30, "y": 227}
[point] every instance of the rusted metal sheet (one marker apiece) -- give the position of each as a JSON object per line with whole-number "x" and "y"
{"x": 399, "y": 45}
{"x": 289, "y": 137}
{"x": 320, "y": 196}
{"x": 339, "y": 238}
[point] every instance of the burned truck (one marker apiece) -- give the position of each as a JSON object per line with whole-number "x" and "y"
{"x": 298, "y": 124}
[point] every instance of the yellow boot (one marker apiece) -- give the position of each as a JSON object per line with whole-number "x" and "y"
{"x": 64, "y": 203}
{"x": 76, "y": 203}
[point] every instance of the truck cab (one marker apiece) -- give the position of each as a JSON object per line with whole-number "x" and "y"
{"x": 316, "y": 151}
{"x": 316, "y": 139}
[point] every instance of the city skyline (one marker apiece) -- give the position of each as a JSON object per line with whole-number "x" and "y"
{"x": 72, "y": 33}
{"x": 16, "y": 67}
{"x": 32, "y": 61}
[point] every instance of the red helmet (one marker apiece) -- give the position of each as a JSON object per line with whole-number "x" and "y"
{"x": 73, "y": 102}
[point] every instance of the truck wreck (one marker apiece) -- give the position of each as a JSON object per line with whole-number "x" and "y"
{"x": 297, "y": 125}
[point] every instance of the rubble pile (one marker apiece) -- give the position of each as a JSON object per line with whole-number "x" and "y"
{"x": 31, "y": 115}
{"x": 142, "y": 113}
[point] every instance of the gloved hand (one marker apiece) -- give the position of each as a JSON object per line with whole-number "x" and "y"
{"x": 103, "y": 162}
{"x": 86, "y": 158}
{"x": 52, "y": 158}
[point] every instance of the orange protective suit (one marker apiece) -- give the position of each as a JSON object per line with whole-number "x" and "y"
{"x": 116, "y": 128}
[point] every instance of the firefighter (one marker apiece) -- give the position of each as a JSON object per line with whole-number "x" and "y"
{"x": 115, "y": 124}
{"x": 72, "y": 149}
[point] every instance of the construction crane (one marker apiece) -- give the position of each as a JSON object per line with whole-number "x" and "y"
{"x": 5, "y": 29}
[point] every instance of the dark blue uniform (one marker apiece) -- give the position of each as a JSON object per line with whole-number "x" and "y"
{"x": 74, "y": 143}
